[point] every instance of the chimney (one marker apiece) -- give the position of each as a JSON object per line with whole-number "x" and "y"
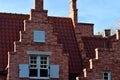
{"x": 39, "y": 5}
{"x": 107, "y": 32}
{"x": 38, "y": 13}
{"x": 73, "y": 12}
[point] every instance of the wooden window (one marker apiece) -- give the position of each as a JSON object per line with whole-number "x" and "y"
{"x": 39, "y": 67}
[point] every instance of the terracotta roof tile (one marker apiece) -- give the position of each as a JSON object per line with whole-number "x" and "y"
{"x": 66, "y": 36}
{"x": 10, "y": 25}
{"x": 90, "y": 43}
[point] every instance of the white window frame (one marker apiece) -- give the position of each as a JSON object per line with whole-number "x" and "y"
{"x": 108, "y": 75}
{"x": 38, "y": 66}
{"x": 53, "y": 69}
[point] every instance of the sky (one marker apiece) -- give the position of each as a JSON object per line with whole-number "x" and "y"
{"x": 104, "y": 14}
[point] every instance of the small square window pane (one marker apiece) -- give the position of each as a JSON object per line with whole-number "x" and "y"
{"x": 34, "y": 62}
{"x": 31, "y": 61}
{"x": 42, "y": 62}
{"x": 42, "y": 58}
{"x": 33, "y": 72}
{"x": 31, "y": 57}
{"x": 45, "y": 62}
{"x": 45, "y": 58}
{"x": 35, "y": 57}
{"x": 42, "y": 66}
{"x": 105, "y": 74}
{"x": 43, "y": 73}
{"x": 31, "y": 66}
{"x": 45, "y": 66}
{"x": 35, "y": 66}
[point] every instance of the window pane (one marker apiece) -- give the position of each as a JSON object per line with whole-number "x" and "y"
{"x": 45, "y": 58}
{"x": 35, "y": 57}
{"x": 31, "y": 57}
{"x": 31, "y": 61}
{"x": 35, "y": 66}
{"x": 42, "y": 66}
{"x": 105, "y": 77}
{"x": 42, "y": 58}
{"x": 105, "y": 74}
{"x": 45, "y": 62}
{"x": 42, "y": 62}
{"x": 43, "y": 73}
{"x": 33, "y": 72}
{"x": 31, "y": 66}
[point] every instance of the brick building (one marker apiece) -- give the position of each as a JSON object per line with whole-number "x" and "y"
{"x": 42, "y": 47}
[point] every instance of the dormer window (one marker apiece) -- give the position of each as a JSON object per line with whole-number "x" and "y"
{"x": 39, "y": 36}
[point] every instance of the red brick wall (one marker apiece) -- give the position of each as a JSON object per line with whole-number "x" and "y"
{"x": 108, "y": 59}
{"x": 38, "y": 21}
{"x": 84, "y": 29}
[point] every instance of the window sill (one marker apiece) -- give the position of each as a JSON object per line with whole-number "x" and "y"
{"x": 36, "y": 78}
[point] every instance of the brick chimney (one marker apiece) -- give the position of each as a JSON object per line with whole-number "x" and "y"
{"x": 39, "y": 5}
{"x": 107, "y": 32}
{"x": 38, "y": 14}
{"x": 73, "y": 12}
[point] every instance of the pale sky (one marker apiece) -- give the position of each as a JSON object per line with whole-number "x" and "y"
{"x": 102, "y": 13}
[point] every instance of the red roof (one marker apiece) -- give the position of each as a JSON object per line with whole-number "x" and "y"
{"x": 66, "y": 36}
{"x": 10, "y": 25}
{"x": 90, "y": 43}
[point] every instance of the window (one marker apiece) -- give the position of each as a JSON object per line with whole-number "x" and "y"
{"x": 106, "y": 75}
{"x": 39, "y": 36}
{"x": 39, "y": 66}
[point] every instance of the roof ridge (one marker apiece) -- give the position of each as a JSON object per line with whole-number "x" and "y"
{"x": 5, "y": 13}
{"x": 59, "y": 17}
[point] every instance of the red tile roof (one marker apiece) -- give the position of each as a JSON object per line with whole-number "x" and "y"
{"x": 10, "y": 25}
{"x": 66, "y": 36}
{"x": 90, "y": 43}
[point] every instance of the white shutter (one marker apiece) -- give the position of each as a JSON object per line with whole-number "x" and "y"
{"x": 54, "y": 71}
{"x": 23, "y": 70}
{"x": 39, "y": 36}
